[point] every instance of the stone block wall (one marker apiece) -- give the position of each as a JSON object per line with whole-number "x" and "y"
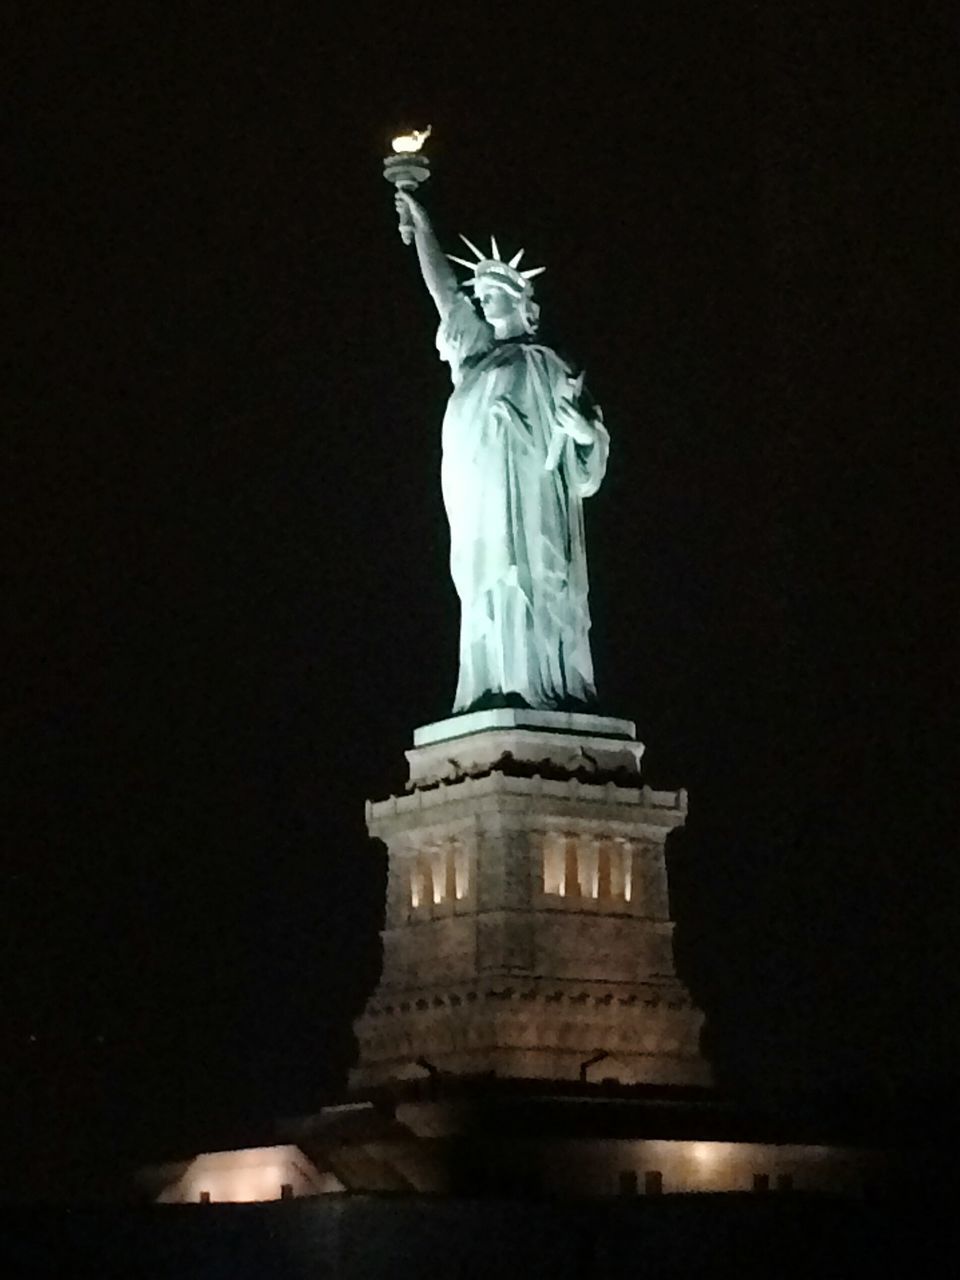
{"x": 527, "y": 928}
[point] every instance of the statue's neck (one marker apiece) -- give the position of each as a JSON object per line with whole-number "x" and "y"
{"x": 508, "y": 327}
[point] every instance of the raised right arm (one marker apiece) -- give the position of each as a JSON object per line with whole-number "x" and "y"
{"x": 437, "y": 273}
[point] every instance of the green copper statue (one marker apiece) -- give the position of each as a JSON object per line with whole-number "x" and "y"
{"x": 523, "y": 445}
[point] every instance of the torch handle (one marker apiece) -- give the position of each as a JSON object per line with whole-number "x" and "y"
{"x": 405, "y": 222}
{"x": 406, "y": 172}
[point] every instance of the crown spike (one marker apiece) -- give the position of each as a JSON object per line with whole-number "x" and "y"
{"x": 533, "y": 271}
{"x": 462, "y": 261}
{"x": 515, "y": 260}
{"x": 495, "y": 249}
{"x": 472, "y": 247}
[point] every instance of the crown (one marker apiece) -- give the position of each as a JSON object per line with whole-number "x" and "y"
{"x": 499, "y": 272}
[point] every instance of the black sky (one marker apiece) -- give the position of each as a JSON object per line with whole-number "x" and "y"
{"x": 226, "y": 546}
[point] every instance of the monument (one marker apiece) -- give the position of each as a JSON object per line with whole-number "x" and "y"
{"x": 527, "y": 928}
{"x": 529, "y": 1035}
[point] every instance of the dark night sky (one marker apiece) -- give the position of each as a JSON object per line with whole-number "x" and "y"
{"x": 227, "y": 549}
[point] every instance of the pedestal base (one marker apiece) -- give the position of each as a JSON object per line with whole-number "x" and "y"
{"x": 527, "y": 924}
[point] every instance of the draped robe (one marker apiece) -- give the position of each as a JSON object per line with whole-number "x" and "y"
{"x": 514, "y": 504}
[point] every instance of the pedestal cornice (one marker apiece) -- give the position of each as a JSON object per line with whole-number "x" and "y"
{"x": 569, "y": 722}
{"x": 497, "y": 791}
{"x": 558, "y": 743}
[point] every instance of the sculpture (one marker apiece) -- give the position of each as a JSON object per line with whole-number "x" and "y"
{"x": 523, "y": 444}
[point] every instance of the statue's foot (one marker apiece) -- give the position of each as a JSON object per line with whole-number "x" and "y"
{"x": 577, "y": 706}
{"x": 490, "y": 701}
{"x": 493, "y": 701}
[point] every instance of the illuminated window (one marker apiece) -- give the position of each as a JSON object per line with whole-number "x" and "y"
{"x": 438, "y": 876}
{"x": 461, "y": 871}
{"x": 204, "y": 1197}
{"x": 571, "y": 867}
{"x": 554, "y": 865}
{"x": 421, "y": 881}
{"x": 589, "y": 869}
{"x": 620, "y": 862}
{"x": 440, "y": 873}
{"x": 576, "y": 866}
{"x": 604, "y": 886}
{"x": 653, "y": 1182}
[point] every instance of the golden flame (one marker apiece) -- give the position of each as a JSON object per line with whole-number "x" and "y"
{"x": 412, "y": 141}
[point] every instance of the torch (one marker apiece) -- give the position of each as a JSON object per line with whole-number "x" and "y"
{"x": 406, "y": 169}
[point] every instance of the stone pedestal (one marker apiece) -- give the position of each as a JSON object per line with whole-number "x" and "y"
{"x": 527, "y": 927}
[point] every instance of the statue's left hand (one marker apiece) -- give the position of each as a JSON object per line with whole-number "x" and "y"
{"x": 572, "y": 422}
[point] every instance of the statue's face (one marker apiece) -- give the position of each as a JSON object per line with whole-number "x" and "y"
{"x": 495, "y": 303}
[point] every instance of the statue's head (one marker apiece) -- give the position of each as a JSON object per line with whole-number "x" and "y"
{"x": 501, "y": 301}
{"x": 502, "y": 290}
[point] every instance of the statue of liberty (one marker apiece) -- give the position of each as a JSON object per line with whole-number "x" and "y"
{"x": 523, "y": 445}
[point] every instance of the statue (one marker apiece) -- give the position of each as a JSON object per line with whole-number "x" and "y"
{"x": 523, "y": 445}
